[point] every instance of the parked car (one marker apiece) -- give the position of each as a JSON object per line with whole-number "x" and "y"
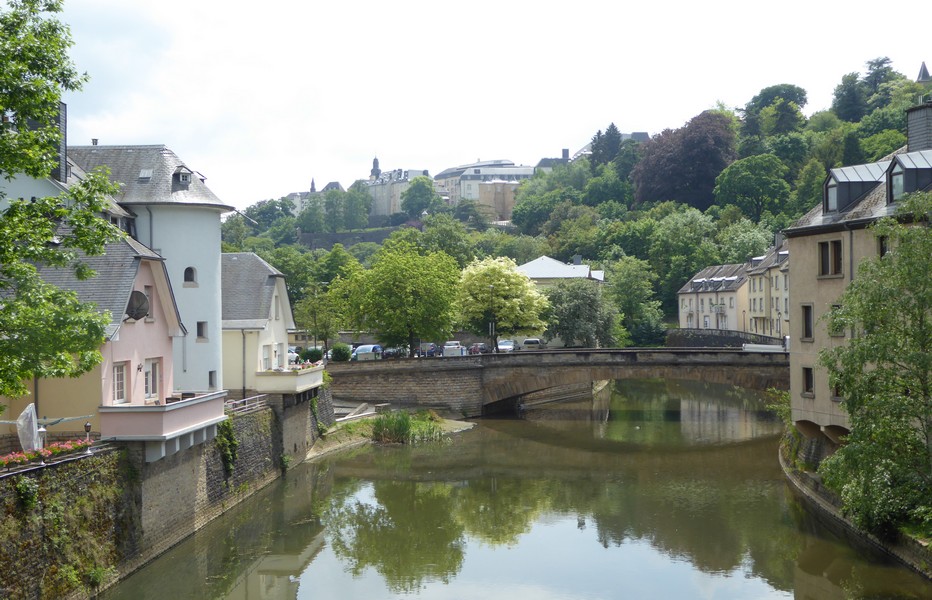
{"x": 394, "y": 353}
{"x": 506, "y": 346}
{"x": 367, "y": 352}
{"x": 428, "y": 349}
{"x": 293, "y": 355}
{"x": 533, "y": 344}
{"x": 453, "y": 348}
{"x": 479, "y": 348}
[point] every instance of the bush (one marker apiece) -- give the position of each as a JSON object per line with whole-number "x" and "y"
{"x": 401, "y": 428}
{"x": 341, "y": 352}
{"x": 312, "y": 355}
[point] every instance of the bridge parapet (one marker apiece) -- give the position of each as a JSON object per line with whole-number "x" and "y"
{"x": 465, "y": 385}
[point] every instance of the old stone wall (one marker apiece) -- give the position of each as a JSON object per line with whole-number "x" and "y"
{"x": 107, "y": 514}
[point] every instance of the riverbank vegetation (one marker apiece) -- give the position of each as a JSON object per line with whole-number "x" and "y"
{"x": 401, "y": 427}
{"x": 883, "y": 472}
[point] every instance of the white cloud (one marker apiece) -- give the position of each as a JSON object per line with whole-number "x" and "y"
{"x": 262, "y": 97}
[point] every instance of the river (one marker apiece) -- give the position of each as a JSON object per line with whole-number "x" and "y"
{"x": 652, "y": 489}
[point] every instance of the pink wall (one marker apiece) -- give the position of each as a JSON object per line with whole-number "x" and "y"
{"x": 147, "y": 338}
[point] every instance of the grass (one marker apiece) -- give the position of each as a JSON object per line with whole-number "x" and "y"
{"x": 401, "y": 427}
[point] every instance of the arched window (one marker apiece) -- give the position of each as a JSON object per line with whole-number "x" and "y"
{"x": 190, "y": 277}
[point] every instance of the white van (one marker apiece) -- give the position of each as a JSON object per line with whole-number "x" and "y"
{"x": 533, "y": 344}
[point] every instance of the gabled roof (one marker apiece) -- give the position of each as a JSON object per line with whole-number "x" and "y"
{"x": 116, "y": 275}
{"x": 545, "y": 267}
{"x": 773, "y": 257}
{"x": 872, "y": 172}
{"x": 148, "y": 175}
{"x": 717, "y": 278}
{"x": 248, "y": 288}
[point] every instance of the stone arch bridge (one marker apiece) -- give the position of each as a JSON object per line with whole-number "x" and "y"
{"x": 469, "y": 385}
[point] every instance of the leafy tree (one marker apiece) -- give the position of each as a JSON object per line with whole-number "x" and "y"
{"x": 580, "y": 315}
{"x": 311, "y": 218}
{"x": 628, "y": 155}
{"x": 335, "y": 263}
{"x": 882, "y": 144}
{"x": 753, "y": 184}
{"x": 319, "y": 313}
{"x": 822, "y": 121}
{"x": 443, "y": 233}
{"x": 631, "y": 285}
{"x": 295, "y": 265}
{"x": 532, "y": 211}
{"x": 808, "y": 192}
{"x": 363, "y": 252}
{"x": 284, "y": 231}
{"x": 471, "y": 214}
{"x": 234, "y": 231}
{"x": 793, "y": 151}
{"x": 334, "y": 219}
{"x": 883, "y": 472}
{"x": 743, "y": 239}
{"x": 682, "y": 165}
{"x": 46, "y": 331}
{"x": 492, "y": 290}
{"x": 879, "y": 72}
{"x": 356, "y": 205}
{"x": 681, "y": 244}
{"x": 849, "y": 101}
{"x": 419, "y": 197}
{"x": 406, "y": 296}
{"x": 607, "y": 187}
{"x": 266, "y": 212}
{"x": 781, "y": 117}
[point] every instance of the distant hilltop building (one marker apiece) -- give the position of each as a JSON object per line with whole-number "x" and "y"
{"x": 637, "y": 136}
{"x": 300, "y": 199}
{"x": 386, "y": 187}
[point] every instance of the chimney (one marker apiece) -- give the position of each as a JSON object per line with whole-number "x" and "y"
{"x": 919, "y": 126}
{"x": 60, "y": 172}
{"x": 566, "y": 154}
{"x": 577, "y": 259}
{"x": 93, "y": 141}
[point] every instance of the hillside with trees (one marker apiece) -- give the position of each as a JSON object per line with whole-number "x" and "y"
{"x": 651, "y": 214}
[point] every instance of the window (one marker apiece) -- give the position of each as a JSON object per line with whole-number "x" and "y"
{"x": 786, "y": 306}
{"x": 119, "y": 383}
{"x": 896, "y": 183}
{"x": 723, "y": 323}
{"x": 754, "y": 305}
{"x": 202, "y": 331}
{"x": 786, "y": 282}
{"x": 705, "y": 321}
{"x": 836, "y": 331}
{"x": 152, "y": 378}
{"x": 190, "y": 277}
{"x": 702, "y": 305}
{"x": 808, "y": 382}
{"x": 807, "y": 322}
{"x": 836, "y": 394}
{"x": 212, "y": 380}
{"x": 267, "y": 357}
{"x": 830, "y": 258}
{"x": 883, "y": 245}
{"x": 280, "y": 355}
{"x": 831, "y": 198}
{"x": 731, "y": 302}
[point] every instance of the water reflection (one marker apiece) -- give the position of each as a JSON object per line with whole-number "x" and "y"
{"x": 653, "y": 490}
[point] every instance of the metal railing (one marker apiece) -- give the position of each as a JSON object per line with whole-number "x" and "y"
{"x": 246, "y": 405}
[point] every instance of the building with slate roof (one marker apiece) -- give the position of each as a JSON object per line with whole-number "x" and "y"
{"x": 827, "y": 245}
{"x": 386, "y": 188}
{"x": 715, "y": 298}
{"x": 175, "y": 214}
{"x": 546, "y": 272}
{"x": 768, "y": 291}
{"x": 257, "y": 319}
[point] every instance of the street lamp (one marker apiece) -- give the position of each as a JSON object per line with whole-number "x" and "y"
{"x": 87, "y": 435}
{"x": 744, "y": 318}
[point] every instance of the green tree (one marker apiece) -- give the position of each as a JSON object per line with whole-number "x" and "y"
{"x": 882, "y": 144}
{"x": 849, "y": 101}
{"x": 753, "y": 184}
{"x": 295, "y": 265}
{"x": 319, "y": 313}
{"x": 808, "y": 192}
{"x": 493, "y": 291}
{"x": 443, "y": 233}
{"x": 631, "y": 285}
{"x": 883, "y": 471}
{"x": 406, "y": 296}
{"x": 743, "y": 239}
{"x": 604, "y": 147}
{"x": 46, "y": 331}
{"x": 356, "y": 207}
{"x": 681, "y": 244}
{"x": 781, "y": 117}
{"x": 333, "y": 211}
{"x": 234, "y": 231}
{"x": 581, "y": 315}
{"x": 311, "y": 218}
{"x": 419, "y": 197}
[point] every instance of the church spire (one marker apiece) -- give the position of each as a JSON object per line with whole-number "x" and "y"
{"x": 313, "y": 187}
{"x": 376, "y": 171}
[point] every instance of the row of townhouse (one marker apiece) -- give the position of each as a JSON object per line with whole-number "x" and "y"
{"x": 827, "y": 245}
{"x": 190, "y": 328}
{"x": 751, "y": 297}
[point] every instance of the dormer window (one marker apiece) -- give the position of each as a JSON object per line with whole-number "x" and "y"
{"x": 183, "y": 174}
{"x": 896, "y": 183}
{"x": 184, "y": 177}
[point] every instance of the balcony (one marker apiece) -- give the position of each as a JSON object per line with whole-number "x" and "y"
{"x": 717, "y": 308}
{"x": 289, "y": 381}
{"x": 165, "y": 429}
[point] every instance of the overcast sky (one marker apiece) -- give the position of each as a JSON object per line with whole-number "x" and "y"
{"x": 261, "y": 97}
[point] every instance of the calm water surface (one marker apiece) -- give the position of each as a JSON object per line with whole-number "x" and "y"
{"x": 654, "y": 489}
